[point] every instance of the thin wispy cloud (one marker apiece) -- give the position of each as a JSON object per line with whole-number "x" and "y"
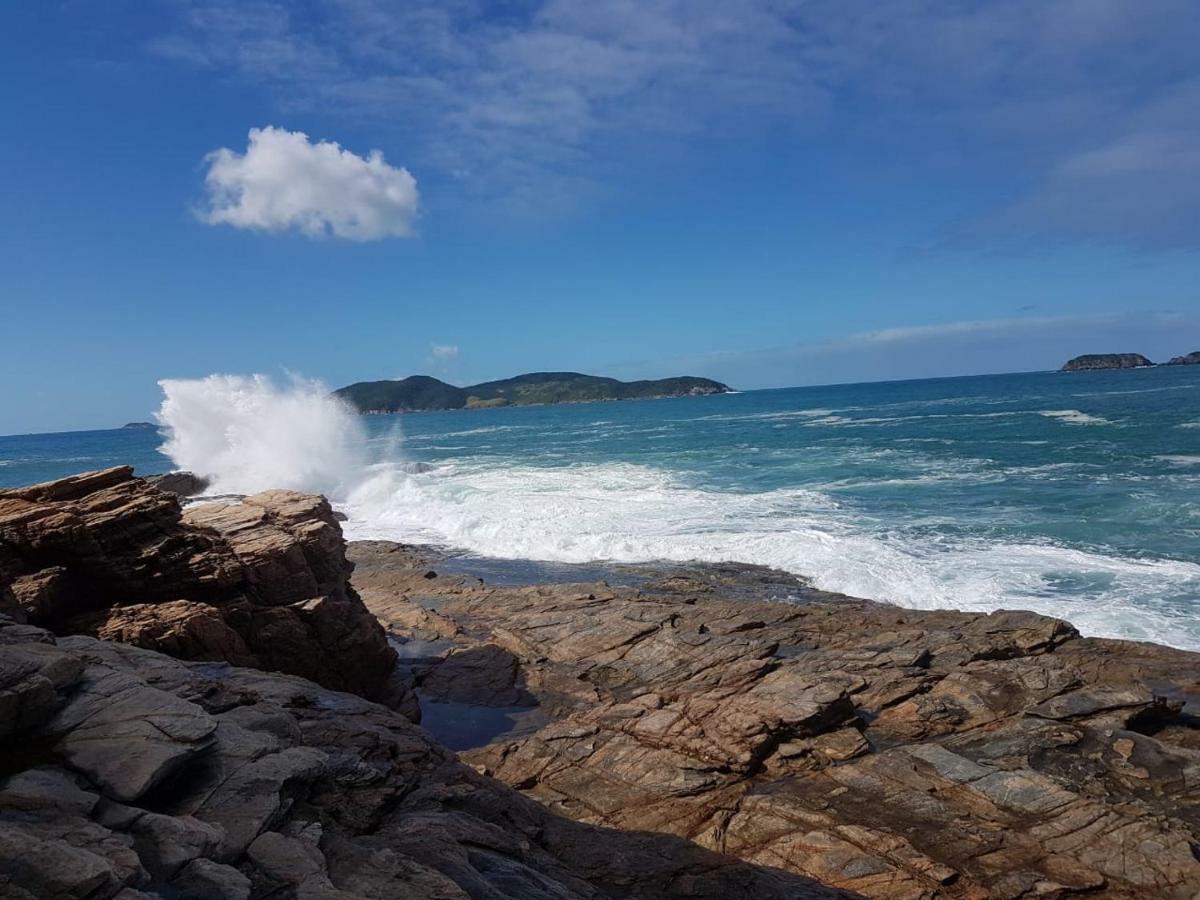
{"x": 283, "y": 182}
{"x": 541, "y": 103}
{"x": 444, "y": 352}
{"x": 935, "y": 350}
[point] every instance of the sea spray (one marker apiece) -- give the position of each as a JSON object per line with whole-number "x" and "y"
{"x": 629, "y": 513}
{"x": 245, "y": 433}
{"x": 978, "y": 509}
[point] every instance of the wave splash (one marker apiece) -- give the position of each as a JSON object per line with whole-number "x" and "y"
{"x": 620, "y": 512}
{"x": 245, "y": 434}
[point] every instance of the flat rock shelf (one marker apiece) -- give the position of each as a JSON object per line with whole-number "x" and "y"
{"x": 884, "y": 751}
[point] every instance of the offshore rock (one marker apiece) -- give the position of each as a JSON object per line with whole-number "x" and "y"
{"x": 262, "y": 785}
{"x": 1190, "y": 359}
{"x": 889, "y": 752}
{"x": 1092, "y": 361}
{"x": 262, "y": 582}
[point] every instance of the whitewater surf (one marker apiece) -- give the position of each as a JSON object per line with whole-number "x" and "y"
{"x": 973, "y": 494}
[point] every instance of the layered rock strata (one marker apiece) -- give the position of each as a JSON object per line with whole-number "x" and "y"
{"x": 127, "y": 774}
{"x": 262, "y": 582}
{"x": 889, "y": 752}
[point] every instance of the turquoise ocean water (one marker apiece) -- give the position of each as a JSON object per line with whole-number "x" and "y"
{"x": 1074, "y": 494}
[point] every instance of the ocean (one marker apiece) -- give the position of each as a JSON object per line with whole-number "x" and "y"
{"x": 1076, "y": 495}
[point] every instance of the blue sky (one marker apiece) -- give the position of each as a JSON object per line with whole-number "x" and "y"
{"x": 768, "y": 192}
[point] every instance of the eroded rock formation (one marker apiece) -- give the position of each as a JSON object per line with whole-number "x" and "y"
{"x": 182, "y": 484}
{"x": 127, "y": 774}
{"x": 889, "y": 752}
{"x": 262, "y": 582}
{"x": 663, "y": 742}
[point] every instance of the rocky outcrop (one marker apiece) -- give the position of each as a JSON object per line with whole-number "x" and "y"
{"x": 1091, "y": 361}
{"x": 127, "y": 774}
{"x": 262, "y": 582}
{"x": 182, "y": 484}
{"x": 888, "y": 752}
{"x": 1190, "y": 359}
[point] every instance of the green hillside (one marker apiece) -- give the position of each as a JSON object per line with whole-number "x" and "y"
{"x": 422, "y": 392}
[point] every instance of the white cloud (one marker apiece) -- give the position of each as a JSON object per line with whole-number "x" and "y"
{"x": 285, "y": 183}
{"x": 444, "y": 352}
{"x": 934, "y": 350}
{"x": 551, "y": 101}
{"x": 1141, "y": 185}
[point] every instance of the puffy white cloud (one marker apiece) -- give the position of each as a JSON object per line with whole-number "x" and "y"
{"x": 284, "y": 182}
{"x": 553, "y": 101}
{"x": 444, "y": 352}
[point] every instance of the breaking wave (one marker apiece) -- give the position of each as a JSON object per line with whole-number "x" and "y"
{"x": 247, "y": 433}
{"x": 629, "y": 513}
{"x": 1074, "y": 417}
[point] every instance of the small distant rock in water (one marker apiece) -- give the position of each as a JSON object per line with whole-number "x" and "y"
{"x": 182, "y": 484}
{"x": 1190, "y": 359}
{"x": 139, "y": 425}
{"x": 1090, "y": 361}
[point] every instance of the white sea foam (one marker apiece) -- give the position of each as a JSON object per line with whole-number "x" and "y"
{"x": 629, "y": 513}
{"x": 247, "y": 434}
{"x": 1073, "y": 417}
{"x": 1180, "y": 459}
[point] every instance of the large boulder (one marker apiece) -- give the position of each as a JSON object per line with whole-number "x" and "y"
{"x": 261, "y": 582}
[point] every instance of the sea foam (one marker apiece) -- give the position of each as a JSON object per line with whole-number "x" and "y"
{"x": 628, "y": 513}
{"x": 247, "y": 433}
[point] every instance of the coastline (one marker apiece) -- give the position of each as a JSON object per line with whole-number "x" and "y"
{"x": 677, "y": 736}
{"x": 881, "y": 750}
{"x": 405, "y": 412}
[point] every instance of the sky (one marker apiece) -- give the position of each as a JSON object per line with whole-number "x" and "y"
{"x": 767, "y": 192}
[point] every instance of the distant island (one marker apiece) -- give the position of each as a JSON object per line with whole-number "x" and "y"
{"x": 139, "y": 425}
{"x": 1190, "y": 359}
{"x": 423, "y": 392}
{"x": 1092, "y": 361}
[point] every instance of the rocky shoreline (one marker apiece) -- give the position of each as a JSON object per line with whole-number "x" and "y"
{"x": 184, "y": 712}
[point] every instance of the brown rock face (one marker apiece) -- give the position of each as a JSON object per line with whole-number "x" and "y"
{"x": 135, "y": 775}
{"x": 888, "y": 752}
{"x": 261, "y": 583}
{"x": 182, "y": 484}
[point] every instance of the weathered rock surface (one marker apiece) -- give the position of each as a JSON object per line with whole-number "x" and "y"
{"x": 262, "y": 582}
{"x": 182, "y": 484}
{"x": 1091, "y": 361}
{"x": 135, "y": 775}
{"x": 885, "y": 751}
